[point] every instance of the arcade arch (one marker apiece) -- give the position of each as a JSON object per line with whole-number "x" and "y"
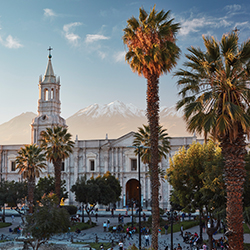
{"x": 132, "y": 191}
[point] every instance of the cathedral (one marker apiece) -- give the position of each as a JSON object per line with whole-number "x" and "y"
{"x": 90, "y": 157}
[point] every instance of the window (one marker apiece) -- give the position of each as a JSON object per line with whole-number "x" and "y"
{"x": 46, "y": 95}
{"x": 13, "y": 166}
{"x": 52, "y": 94}
{"x": 133, "y": 164}
{"x": 92, "y": 165}
{"x": 63, "y": 166}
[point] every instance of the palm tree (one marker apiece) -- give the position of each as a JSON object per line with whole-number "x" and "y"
{"x": 142, "y": 137}
{"x": 57, "y": 144}
{"x": 152, "y": 51}
{"x": 215, "y": 97}
{"x": 30, "y": 162}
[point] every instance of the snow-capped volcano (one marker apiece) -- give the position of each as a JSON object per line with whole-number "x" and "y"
{"x": 95, "y": 121}
{"x": 108, "y": 110}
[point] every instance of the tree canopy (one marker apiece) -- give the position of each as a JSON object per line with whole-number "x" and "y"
{"x": 142, "y": 137}
{"x": 57, "y": 145}
{"x": 30, "y": 163}
{"x": 214, "y": 95}
{"x": 12, "y": 193}
{"x": 47, "y": 219}
{"x": 46, "y": 185}
{"x": 196, "y": 175}
{"x": 152, "y": 51}
{"x": 104, "y": 190}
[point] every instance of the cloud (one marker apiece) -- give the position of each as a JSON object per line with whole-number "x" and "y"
{"x": 69, "y": 35}
{"x": 119, "y": 56}
{"x": 242, "y": 24}
{"x": 102, "y": 54}
{"x": 95, "y": 37}
{"x": 222, "y": 23}
{"x": 49, "y": 13}
{"x": 193, "y": 25}
{"x": 11, "y": 43}
{"x": 232, "y": 8}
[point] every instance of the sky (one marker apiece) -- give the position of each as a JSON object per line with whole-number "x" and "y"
{"x": 88, "y": 51}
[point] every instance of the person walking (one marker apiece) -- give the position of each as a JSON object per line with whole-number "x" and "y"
{"x": 166, "y": 229}
{"x": 182, "y": 230}
{"x": 146, "y": 240}
{"x": 104, "y": 226}
{"x": 120, "y": 245}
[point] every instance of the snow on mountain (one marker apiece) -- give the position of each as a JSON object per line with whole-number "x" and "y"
{"x": 95, "y": 121}
{"x": 108, "y": 110}
{"x": 166, "y": 111}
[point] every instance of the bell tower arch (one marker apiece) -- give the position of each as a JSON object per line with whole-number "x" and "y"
{"x": 49, "y": 105}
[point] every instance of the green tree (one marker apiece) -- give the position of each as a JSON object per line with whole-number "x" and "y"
{"x": 57, "y": 144}
{"x": 30, "y": 162}
{"x": 46, "y": 185}
{"x": 152, "y": 51}
{"x": 47, "y": 219}
{"x": 104, "y": 190}
{"x": 215, "y": 99}
{"x": 12, "y": 193}
{"x": 197, "y": 179}
{"x": 142, "y": 137}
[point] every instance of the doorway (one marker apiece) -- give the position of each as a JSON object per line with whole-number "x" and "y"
{"x": 132, "y": 192}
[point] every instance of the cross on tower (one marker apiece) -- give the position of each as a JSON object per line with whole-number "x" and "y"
{"x": 49, "y": 49}
{"x": 236, "y": 30}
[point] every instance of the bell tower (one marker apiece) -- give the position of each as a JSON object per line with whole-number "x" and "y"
{"x": 49, "y": 105}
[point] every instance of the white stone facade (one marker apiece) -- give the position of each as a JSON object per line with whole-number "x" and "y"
{"x": 90, "y": 157}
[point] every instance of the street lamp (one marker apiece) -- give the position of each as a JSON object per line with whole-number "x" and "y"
{"x": 171, "y": 220}
{"x": 139, "y": 179}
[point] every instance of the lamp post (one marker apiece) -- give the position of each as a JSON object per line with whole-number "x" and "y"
{"x": 132, "y": 206}
{"x": 82, "y": 213}
{"x": 139, "y": 180}
{"x": 171, "y": 220}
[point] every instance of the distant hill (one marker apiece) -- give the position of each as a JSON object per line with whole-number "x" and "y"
{"x": 95, "y": 121}
{"x": 17, "y": 130}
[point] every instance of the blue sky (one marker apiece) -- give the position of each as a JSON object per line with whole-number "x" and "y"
{"x": 88, "y": 52}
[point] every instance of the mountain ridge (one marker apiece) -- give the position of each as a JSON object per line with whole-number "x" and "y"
{"x": 95, "y": 121}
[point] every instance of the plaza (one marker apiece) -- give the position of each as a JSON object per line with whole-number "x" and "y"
{"x": 64, "y": 241}
{"x": 91, "y": 157}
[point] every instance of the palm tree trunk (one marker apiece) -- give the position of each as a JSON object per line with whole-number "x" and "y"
{"x": 234, "y": 152}
{"x": 31, "y": 188}
{"x": 153, "y": 119}
{"x": 57, "y": 166}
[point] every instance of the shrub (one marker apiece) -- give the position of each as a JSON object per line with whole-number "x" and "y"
{"x": 71, "y": 209}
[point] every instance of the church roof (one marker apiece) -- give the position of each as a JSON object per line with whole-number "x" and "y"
{"x": 49, "y": 76}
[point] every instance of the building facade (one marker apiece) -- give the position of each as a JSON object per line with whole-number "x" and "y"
{"x": 90, "y": 157}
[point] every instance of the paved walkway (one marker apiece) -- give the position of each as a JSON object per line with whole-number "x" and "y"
{"x": 90, "y": 235}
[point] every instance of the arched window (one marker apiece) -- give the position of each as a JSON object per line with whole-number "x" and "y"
{"x": 46, "y": 94}
{"x": 52, "y": 94}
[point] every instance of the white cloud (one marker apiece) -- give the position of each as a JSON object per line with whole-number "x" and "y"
{"x": 119, "y": 56}
{"x": 102, "y": 54}
{"x": 222, "y": 23}
{"x": 69, "y": 35}
{"x": 242, "y": 24}
{"x": 193, "y": 25}
{"x": 49, "y": 13}
{"x": 232, "y": 8}
{"x": 11, "y": 43}
{"x": 95, "y": 37}
{"x": 196, "y": 24}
